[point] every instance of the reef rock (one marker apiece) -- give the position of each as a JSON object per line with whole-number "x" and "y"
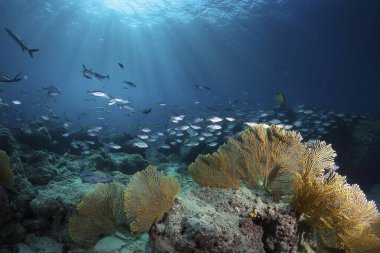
{"x": 224, "y": 220}
{"x": 35, "y": 135}
{"x": 39, "y": 170}
{"x": 7, "y": 142}
{"x": 132, "y": 163}
{"x": 125, "y": 163}
{"x": 53, "y": 204}
{"x": 10, "y": 229}
{"x": 5, "y": 210}
{"x": 280, "y": 229}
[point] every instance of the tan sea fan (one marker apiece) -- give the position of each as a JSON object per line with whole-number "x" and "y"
{"x": 100, "y": 212}
{"x": 7, "y": 179}
{"x": 148, "y": 196}
{"x": 260, "y": 156}
{"x": 339, "y": 212}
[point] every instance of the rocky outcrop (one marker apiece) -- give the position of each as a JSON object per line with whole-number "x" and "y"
{"x": 224, "y": 220}
{"x": 125, "y": 163}
{"x": 280, "y": 227}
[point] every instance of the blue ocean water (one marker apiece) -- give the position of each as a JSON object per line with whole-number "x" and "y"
{"x": 94, "y": 91}
{"x": 323, "y": 53}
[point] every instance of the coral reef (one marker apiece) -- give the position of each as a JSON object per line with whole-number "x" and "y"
{"x": 280, "y": 227}
{"x": 12, "y": 206}
{"x": 11, "y": 230}
{"x": 7, "y": 142}
{"x": 43, "y": 244}
{"x": 48, "y": 211}
{"x": 319, "y": 211}
{"x": 340, "y": 213}
{"x": 38, "y": 138}
{"x": 94, "y": 177}
{"x": 48, "y": 214}
{"x": 131, "y": 164}
{"x": 125, "y": 163}
{"x": 38, "y": 168}
{"x": 148, "y": 196}
{"x": 4, "y": 203}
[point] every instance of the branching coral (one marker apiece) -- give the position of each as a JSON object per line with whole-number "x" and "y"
{"x": 148, "y": 196}
{"x": 339, "y": 212}
{"x": 100, "y": 212}
{"x": 6, "y": 176}
{"x": 259, "y": 156}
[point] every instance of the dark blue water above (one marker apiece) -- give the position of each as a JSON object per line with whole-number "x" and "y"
{"x": 324, "y": 53}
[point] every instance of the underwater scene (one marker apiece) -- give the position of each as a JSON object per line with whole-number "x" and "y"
{"x": 200, "y": 126}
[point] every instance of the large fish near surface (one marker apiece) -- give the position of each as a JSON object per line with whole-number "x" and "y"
{"x": 202, "y": 87}
{"x": 130, "y": 84}
{"x": 99, "y": 94}
{"x": 101, "y": 77}
{"x": 21, "y": 43}
{"x": 88, "y": 74}
{"x": 6, "y": 79}
{"x": 52, "y": 90}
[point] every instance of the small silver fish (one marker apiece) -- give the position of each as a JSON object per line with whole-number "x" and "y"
{"x": 146, "y": 130}
{"x": 192, "y": 144}
{"x": 16, "y": 102}
{"x": 99, "y": 94}
{"x": 114, "y": 146}
{"x": 215, "y": 119}
{"x": 140, "y": 144}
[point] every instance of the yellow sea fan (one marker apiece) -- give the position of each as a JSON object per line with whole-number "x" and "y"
{"x": 258, "y": 156}
{"x": 215, "y": 170}
{"x": 100, "y": 212}
{"x": 270, "y": 157}
{"x": 339, "y": 212}
{"x": 148, "y": 196}
{"x": 6, "y": 176}
{"x": 317, "y": 158}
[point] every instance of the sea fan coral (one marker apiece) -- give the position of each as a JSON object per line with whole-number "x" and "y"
{"x": 100, "y": 212}
{"x": 260, "y": 156}
{"x": 148, "y": 196}
{"x": 339, "y": 212}
{"x": 277, "y": 159}
{"x": 6, "y": 176}
{"x": 215, "y": 170}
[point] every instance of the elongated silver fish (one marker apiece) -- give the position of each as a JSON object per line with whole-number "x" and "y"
{"x": 99, "y": 94}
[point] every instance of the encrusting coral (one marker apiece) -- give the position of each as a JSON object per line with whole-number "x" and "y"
{"x": 148, "y": 196}
{"x": 6, "y": 176}
{"x": 100, "y": 212}
{"x": 260, "y": 156}
{"x": 277, "y": 160}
